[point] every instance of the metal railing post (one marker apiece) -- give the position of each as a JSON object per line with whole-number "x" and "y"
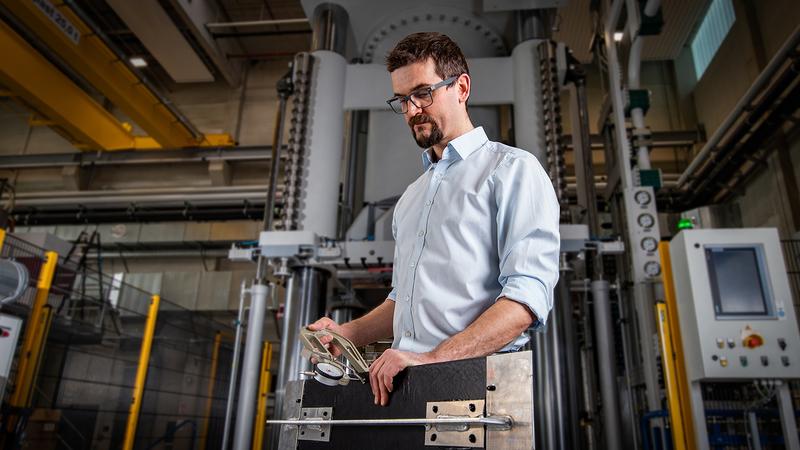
{"x": 141, "y": 373}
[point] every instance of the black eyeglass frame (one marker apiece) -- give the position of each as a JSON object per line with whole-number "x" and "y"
{"x": 428, "y": 91}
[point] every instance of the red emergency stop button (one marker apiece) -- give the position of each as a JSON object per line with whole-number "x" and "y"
{"x": 753, "y": 341}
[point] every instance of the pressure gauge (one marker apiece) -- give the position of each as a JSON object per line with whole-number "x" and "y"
{"x": 642, "y": 197}
{"x": 646, "y": 220}
{"x": 652, "y": 269}
{"x": 328, "y": 373}
{"x": 649, "y": 244}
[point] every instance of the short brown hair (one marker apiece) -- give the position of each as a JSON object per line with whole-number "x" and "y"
{"x": 418, "y": 47}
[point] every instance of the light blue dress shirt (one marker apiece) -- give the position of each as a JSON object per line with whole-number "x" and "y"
{"x": 480, "y": 224}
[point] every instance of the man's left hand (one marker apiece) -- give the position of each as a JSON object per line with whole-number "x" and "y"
{"x": 389, "y": 364}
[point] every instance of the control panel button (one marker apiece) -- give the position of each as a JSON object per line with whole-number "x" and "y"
{"x": 782, "y": 343}
{"x": 743, "y": 360}
{"x": 720, "y": 343}
{"x": 731, "y": 343}
{"x": 723, "y": 361}
{"x": 753, "y": 341}
{"x": 785, "y": 361}
{"x": 764, "y": 361}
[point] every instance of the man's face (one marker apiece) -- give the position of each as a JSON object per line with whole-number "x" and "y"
{"x": 428, "y": 125}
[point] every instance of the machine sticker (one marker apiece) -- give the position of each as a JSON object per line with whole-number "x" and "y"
{"x": 61, "y": 22}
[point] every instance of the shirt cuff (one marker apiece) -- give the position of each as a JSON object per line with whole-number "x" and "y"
{"x": 530, "y": 292}
{"x": 392, "y": 295}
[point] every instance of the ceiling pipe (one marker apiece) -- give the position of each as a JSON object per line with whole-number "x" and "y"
{"x": 256, "y": 23}
{"x": 144, "y": 197}
{"x": 635, "y": 69}
{"x": 766, "y": 75}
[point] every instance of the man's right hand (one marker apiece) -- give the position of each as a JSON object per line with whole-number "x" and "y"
{"x": 326, "y": 323}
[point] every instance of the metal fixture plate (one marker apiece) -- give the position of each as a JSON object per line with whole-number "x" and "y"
{"x": 509, "y": 391}
{"x": 320, "y": 433}
{"x": 293, "y": 399}
{"x": 454, "y": 435}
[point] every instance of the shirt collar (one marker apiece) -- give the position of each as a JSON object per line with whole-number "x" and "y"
{"x": 460, "y": 147}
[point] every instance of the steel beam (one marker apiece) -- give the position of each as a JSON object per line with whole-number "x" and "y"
{"x": 43, "y": 87}
{"x": 66, "y": 34}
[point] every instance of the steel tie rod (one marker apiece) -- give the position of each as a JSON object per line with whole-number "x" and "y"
{"x": 498, "y": 422}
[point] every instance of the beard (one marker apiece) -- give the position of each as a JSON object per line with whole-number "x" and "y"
{"x": 434, "y": 137}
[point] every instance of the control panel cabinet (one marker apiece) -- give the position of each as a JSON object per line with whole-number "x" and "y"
{"x": 735, "y": 308}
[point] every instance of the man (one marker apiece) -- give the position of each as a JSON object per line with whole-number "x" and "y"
{"x": 477, "y": 243}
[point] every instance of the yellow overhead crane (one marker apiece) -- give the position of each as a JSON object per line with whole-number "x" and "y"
{"x": 69, "y": 109}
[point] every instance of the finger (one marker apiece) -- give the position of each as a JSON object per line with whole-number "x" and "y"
{"x": 386, "y": 380}
{"x": 322, "y": 323}
{"x": 374, "y": 372}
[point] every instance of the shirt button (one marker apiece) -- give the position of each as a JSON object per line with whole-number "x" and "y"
{"x": 408, "y": 334}
{"x": 408, "y": 297}
{"x": 413, "y": 265}
{"x": 421, "y": 233}
{"x": 428, "y": 203}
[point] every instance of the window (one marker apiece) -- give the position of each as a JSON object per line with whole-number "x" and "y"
{"x": 712, "y": 32}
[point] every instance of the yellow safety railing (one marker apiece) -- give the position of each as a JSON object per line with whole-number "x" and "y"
{"x": 683, "y": 435}
{"x": 210, "y": 393}
{"x": 263, "y": 392}
{"x": 35, "y": 336}
{"x": 141, "y": 373}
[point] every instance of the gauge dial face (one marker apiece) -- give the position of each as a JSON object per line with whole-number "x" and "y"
{"x": 642, "y": 197}
{"x": 646, "y": 220}
{"x": 328, "y": 374}
{"x": 649, "y": 244}
{"x": 330, "y": 370}
{"x": 652, "y": 269}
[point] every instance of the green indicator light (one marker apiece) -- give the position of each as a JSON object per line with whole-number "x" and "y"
{"x": 685, "y": 224}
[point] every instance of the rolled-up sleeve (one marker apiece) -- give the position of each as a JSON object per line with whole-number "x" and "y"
{"x": 528, "y": 239}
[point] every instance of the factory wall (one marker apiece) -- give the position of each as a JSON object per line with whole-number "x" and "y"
{"x": 760, "y": 29}
{"x": 247, "y": 111}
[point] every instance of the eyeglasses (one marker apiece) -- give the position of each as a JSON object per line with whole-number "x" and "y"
{"x": 421, "y": 98}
